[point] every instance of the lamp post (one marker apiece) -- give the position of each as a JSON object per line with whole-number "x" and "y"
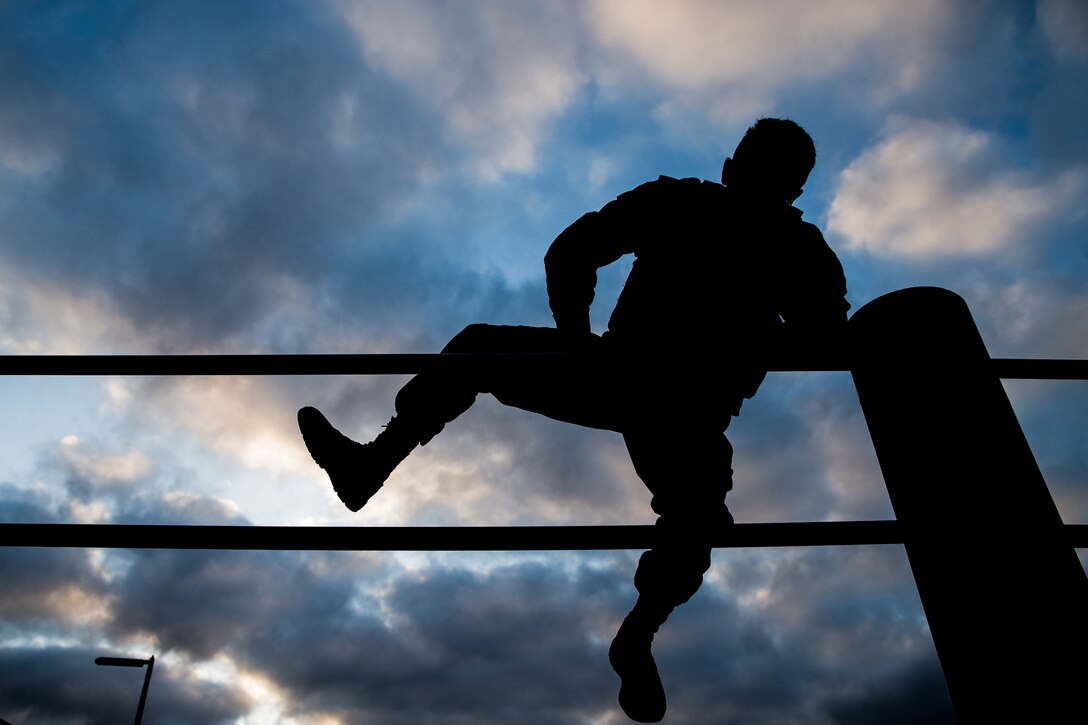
{"x": 130, "y": 662}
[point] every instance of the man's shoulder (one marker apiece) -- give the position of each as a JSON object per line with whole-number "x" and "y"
{"x": 691, "y": 184}
{"x": 667, "y": 192}
{"x": 669, "y": 184}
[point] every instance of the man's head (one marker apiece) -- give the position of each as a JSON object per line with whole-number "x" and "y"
{"x": 772, "y": 161}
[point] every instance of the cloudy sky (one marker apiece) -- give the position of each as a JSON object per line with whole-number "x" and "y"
{"x": 332, "y": 177}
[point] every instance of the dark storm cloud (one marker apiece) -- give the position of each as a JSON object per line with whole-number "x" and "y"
{"x": 447, "y": 644}
{"x": 32, "y": 578}
{"x": 52, "y": 594}
{"x": 483, "y": 638}
{"x": 337, "y": 632}
{"x": 205, "y": 602}
{"x": 459, "y": 646}
{"x": 190, "y": 181}
{"x": 55, "y": 685}
{"x": 753, "y": 649}
{"x": 916, "y": 695}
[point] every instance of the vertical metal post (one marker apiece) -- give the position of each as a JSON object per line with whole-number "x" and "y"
{"x": 1005, "y": 597}
{"x": 132, "y": 662}
{"x": 143, "y": 692}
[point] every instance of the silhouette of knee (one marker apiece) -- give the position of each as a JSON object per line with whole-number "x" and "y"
{"x": 471, "y": 339}
{"x": 672, "y": 574}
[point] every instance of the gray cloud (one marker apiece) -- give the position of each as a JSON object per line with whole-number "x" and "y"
{"x": 500, "y": 97}
{"x": 937, "y": 190}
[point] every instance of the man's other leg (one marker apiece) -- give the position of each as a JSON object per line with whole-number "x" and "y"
{"x": 689, "y": 473}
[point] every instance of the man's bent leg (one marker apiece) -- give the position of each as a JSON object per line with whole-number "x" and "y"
{"x": 578, "y": 389}
{"x": 433, "y": 399}
{"x": 427, "y": 403}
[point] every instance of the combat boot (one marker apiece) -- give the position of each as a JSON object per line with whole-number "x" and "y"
{"x": 642, "y": 696}
{"x": 357, "y": 470}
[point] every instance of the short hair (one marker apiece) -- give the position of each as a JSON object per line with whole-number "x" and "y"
{"x": 775, "y": 153}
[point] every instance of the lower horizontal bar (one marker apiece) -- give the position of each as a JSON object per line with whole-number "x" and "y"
{"x": 429, "y": 538}
{"x": 447, "y": 538}
{"x": 1039, "y": 369}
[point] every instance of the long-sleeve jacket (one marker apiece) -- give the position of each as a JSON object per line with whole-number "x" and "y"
{"x": 716, "y": 279}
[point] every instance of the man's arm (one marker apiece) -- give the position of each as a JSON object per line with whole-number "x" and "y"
{"x": 571, "y": 266}
{"x": 596, "y": 240}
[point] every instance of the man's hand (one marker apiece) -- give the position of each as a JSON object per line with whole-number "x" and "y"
{"x": 577, "y": 339}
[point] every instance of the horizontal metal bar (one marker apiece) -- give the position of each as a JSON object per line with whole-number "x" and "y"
{"x": 120, "y": 661}
{"x": 447, "y": 538}
{"x": 256, "y": 364}
{"x": 316, "y": 364}
{"x": 428, "y": 538}
{"x": 411, "y": 363}
{"x": 1039, "y": 369}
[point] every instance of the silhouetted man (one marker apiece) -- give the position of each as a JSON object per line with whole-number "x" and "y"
{"x": 725, "y": 276}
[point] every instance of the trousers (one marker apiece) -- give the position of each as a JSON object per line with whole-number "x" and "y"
{"x": 673, "y": 431}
